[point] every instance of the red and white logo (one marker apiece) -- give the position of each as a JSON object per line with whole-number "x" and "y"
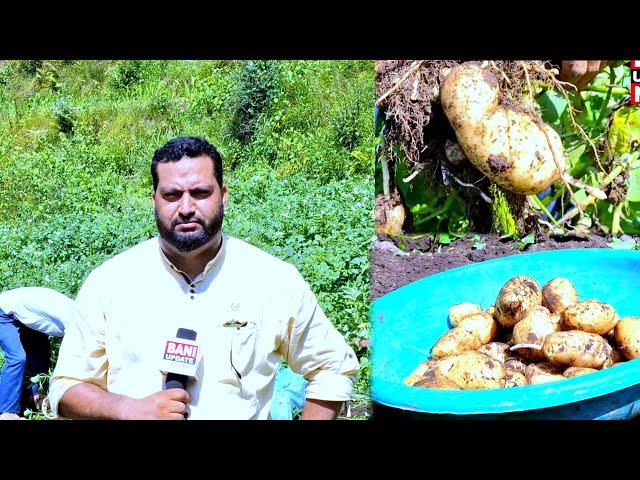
{"x": 181, "y": 352}
{"x": 635, "y": 82}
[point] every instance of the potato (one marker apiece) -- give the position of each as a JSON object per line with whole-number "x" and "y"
{"x": 613, "y": 356}
{"x": 515, "y": 365}
{"x": 497, "y": 350}
{"x": 420, "y": 371}
{"x": 542, "y": 372}
{"x": 516, "y": 299}
{"x": 471, "y": 333}
{"x": 433, "y": 379}
{"x": 576, "y": 348}
{"x": 459, "y": 312}
{"x": 514, "y": 379}
{"x": 389, "y": 214}
{"x": 532, "y": 330}
{"x": 558, "y": 294}
{"x": 514, "y": 149}
{"x": 472, "y": 370}
{"x": 590, "y": 316}
{"x": 438, "y": 383}
{"x": 541, "y": 368}
{"x": 577, "y": 371}
{"x": 627, "y": 333}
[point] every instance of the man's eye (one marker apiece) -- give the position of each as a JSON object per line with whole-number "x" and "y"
{"x": 171, "y": 196}
{"x": 201, "y": 193}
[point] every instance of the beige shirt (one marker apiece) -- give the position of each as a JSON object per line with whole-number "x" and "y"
{"x": 131, "y": 304}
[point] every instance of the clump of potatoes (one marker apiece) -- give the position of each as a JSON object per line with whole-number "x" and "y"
{"x": 531, "y": 335}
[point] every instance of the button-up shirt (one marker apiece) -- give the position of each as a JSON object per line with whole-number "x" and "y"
{"x": 248, "y": 308}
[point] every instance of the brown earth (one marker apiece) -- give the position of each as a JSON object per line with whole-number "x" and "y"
{"x": 396, "y": 262}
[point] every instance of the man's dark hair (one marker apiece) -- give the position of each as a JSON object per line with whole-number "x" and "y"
{"x": 191, "y": 147}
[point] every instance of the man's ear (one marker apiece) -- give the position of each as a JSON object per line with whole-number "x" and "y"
{"x": 224, "y": 190}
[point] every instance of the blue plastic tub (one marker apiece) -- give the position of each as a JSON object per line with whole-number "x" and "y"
{"x": 407, "y": 322}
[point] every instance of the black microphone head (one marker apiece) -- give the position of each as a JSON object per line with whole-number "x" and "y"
{"x": 175, "y": 381}
{"x": 187, "y": 334}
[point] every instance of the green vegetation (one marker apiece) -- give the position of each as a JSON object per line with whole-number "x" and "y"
{"x": 77, "y": 137}
{"x": 600, "y": 132}
{"x": 612, "y": 129}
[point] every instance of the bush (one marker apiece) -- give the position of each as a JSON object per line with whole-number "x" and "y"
{"x": 256, "y": 85}
{"x": 30, "y": 67}
{"x": 127, "y": 74}
{"x": 64, "y": 115}
{"x": 348, "y": 128}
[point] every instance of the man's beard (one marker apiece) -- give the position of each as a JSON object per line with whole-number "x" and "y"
{"x": 188, "y": 241}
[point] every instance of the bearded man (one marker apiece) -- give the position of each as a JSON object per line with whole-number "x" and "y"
{"x": 249, "y": 310}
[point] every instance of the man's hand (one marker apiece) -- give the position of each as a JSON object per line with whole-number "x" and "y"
{"x": 165, "y": 405}
{"x": 86, "y": 400}
{"x": 320, "y": 409}
{"x": 581, "y": 72}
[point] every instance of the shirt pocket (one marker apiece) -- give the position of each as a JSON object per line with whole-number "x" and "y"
{"x": 240, "y": 348}
{"x": 243, "y": 349}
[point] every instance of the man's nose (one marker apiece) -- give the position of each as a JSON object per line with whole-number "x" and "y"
{"x": 187, "y": 205}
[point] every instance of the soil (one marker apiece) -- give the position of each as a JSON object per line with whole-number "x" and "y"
{"x": 396, "y": 262}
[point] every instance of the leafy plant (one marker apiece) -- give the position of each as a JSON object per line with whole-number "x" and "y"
{"x": 346, "y": 128}
{"x": 48, "y": 76}
{"x": 65, "y": 115}
{"x": 256, "y": 85}
{"x": 619, "y": 244}
{"x": 526, "y": 241}
{"x": 30, "y": 67}
{"x": 602, "y": 152}
{"x": 127, "y": 74}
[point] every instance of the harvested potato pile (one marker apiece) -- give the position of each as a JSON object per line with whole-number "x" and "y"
{"x": 531, "y": 335}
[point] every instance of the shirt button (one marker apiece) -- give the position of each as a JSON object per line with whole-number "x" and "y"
{"x": 192, "y": 291}
{"x": 192, "y": 297}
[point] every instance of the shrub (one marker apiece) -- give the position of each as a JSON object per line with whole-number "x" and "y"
{"x": 256, "y": 85}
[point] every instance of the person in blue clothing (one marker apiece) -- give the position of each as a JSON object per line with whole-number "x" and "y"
{"x": 28, "y": 316}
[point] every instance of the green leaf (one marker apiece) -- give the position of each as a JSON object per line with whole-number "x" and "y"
{"x": 633, "y": 194}
{"x": 618, "y": 244}
{"x": 625, "y": 129}
{"x": 630, "y": 223}
{"x": 444, "y": 238}
{"x": 528, "y": 240}
{"x": 579, "y": 160}
{"x": 552, "y": 106}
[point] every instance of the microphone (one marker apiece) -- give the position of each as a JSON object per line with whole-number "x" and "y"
{"x": 180, "y": 359}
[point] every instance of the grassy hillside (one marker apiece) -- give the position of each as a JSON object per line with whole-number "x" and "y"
{"x": 76, "y": 140}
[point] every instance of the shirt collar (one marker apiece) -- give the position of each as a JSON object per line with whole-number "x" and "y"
{"x": 208, "y": 267}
